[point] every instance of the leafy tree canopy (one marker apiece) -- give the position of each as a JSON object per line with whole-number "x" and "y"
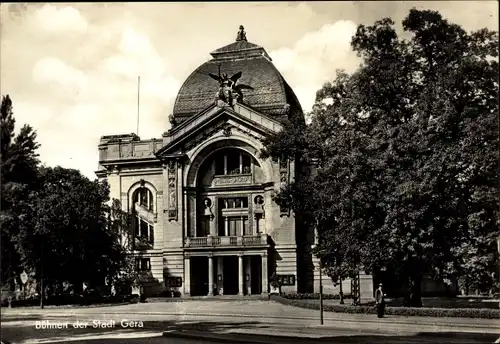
{"x": 19, "y": 163}
{"x": 405, "y": 151}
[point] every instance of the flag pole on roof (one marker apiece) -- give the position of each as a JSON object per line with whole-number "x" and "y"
{"x": 138, "y": 99}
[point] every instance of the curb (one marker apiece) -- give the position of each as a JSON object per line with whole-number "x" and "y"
{"x": 243, "y": 338}
{"x": 238, "y": 337}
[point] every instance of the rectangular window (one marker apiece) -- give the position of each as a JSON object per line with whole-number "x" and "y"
{"x": 233, "y": 226}
{"x": 144, "y": 229}
{"x": 238, "y": 226}
{"x": 143, "y": 264}
{"x": 236, "y": 203}
{"x": 233, "y": 163}
{"x": 144, "y": 232}
{"x": 219, "y": 165}
{"x": 144, "y": 197}
{"x": 151, "y": 235}
{"x": 246, "y": 163}
{"x": 246, "y": 229}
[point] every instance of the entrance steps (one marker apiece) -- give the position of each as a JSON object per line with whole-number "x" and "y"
{"x": 210, "y": 298}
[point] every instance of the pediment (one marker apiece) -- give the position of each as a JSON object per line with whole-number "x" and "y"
{"x": 214, "y": 119}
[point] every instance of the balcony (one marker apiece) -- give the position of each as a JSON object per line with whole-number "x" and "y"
{"x": 226, "y": 241}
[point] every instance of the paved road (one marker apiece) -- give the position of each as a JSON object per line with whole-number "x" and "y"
{"x": 233, "y": 320}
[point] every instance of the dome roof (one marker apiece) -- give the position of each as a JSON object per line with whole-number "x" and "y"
{"x": 270, "y": 92}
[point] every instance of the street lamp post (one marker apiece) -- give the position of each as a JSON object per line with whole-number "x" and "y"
{"x": 316, "y": 242}
{"x": 498, "y": 249}
{"x": 41, "y": 278}
{"x": 320, "y": 293}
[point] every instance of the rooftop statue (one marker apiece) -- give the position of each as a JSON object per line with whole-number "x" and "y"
{"x": 229, "y": 90}
{"x": 172, "y": 120}
{"x": 241, "y": 36}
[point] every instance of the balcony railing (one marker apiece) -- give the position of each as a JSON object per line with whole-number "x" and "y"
{"x": 225, "y": 241}
{"x": 141, "y": 244}
{"x": 128, "y": 149}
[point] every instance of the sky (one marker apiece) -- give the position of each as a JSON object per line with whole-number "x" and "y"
{"x": 71, "y": 69}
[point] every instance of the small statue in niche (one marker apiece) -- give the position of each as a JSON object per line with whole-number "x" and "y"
{"x": 242, "y": 35}
{"x": 259, "y": 205}
{"x": 207, "y": 203}
{"x": 259, "y": 201}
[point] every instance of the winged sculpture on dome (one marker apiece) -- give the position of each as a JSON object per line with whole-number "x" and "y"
{"x": 230, "y": 90}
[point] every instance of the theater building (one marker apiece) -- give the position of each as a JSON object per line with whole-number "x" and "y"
{"x": 205, "y": 222}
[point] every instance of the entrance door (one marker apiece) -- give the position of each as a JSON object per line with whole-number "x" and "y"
{"x": 256, "y": 266}
{"x": 230, "y": 275}
{"x": 199, "y": 276}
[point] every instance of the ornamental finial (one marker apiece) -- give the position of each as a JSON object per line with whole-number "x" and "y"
{"x": 242, "y": 35}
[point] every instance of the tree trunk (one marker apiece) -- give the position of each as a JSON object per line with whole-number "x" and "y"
{"x": 413, "y": 291}
{"x": 341, "y": 292}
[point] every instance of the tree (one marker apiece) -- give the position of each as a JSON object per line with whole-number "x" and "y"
{"x": 18, "y": 175}
{"x": 67, "y": 237}
{"x": 405, "y": 149}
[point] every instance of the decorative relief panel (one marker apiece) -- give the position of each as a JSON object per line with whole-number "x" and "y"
{"x": 284, "y": 179}
{"x": 233, "y": 180}
{"x": 172, "y": 190}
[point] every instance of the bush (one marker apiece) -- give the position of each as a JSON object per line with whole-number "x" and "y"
{"x": 315, "y": 296}
{"x": 167, "y": 293}
{"x": 69, "y": 299}
{"x": 401, "y": 311}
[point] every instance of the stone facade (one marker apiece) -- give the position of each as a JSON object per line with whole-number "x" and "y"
{"x": 205, "y": 222}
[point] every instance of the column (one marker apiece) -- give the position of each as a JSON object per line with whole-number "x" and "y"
{"x": 248, "y": 272}
{"x": 225, "y": 164}
{"x": 187, "y": 276}
{"x": 265, "y": 284}
{"x": 241, "y": 163}
{"x": 240, "y": 275}
{"x": 220, "y": 272}
{"x": 212, "y": 228}
{"x": 210, "y": 276}
{"x": 226, "y": 226}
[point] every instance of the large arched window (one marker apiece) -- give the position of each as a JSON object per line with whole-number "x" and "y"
{"x": 222, "y": 166}
{"x": 232, "y": 161}
{"x": 144, "y": 197}
{"x": 143, "y": 206}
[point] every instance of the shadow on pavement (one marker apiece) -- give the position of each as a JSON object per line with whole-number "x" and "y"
{"x": 216, "y": 331}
